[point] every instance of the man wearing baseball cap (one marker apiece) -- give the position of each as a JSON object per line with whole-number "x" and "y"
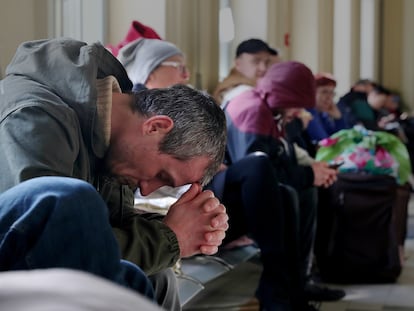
{"x": 253, "y": 57}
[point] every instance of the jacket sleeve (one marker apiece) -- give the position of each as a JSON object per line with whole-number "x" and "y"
{"x": 55, "y": 150}
{"x": 143, "y": 238}
{"x": 316, "y": 128}
{"x": 35, "y": 143}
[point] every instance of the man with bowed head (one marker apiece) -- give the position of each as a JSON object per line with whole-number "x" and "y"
{"x": 77, "y": 145}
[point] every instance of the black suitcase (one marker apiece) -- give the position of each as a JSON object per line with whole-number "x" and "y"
{"x": 358, "y": 237}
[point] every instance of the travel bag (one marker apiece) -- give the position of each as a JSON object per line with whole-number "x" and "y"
{"x": 360, "y": 229}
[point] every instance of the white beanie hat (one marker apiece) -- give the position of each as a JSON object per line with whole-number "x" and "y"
{"x": 140, "y": 57}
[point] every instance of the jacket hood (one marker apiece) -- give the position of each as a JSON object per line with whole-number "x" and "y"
{"x": 61, "y": 72}
{"x": 287, "y": 84}
{"x": 68, "y": 67}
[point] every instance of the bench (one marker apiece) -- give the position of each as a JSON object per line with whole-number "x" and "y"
{"x": 195, "y": 272}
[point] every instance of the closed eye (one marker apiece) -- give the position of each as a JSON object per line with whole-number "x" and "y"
{"x": 165, "y": 179}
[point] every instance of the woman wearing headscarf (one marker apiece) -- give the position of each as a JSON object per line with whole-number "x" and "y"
{"x": 256, "y": 121}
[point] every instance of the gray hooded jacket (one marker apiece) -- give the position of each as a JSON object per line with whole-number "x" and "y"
{"x": 49, "y": 126}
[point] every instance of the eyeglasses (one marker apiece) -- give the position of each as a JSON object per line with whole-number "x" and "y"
{"x": 327, "y": 92}
{"x": 180, "y": 66}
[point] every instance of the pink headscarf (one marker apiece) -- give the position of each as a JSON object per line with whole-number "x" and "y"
{"x": 287, "y": 84}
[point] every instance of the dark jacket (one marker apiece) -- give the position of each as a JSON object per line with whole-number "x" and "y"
{"x": 350, "y": 103}
{"x": 322, "y": 125}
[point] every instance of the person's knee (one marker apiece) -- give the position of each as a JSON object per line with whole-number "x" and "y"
{"x": 51, "y": 184}
{"x": 259, "y": 163}
{"x": 64, "y": 185}
{"x": 63, "y": 194}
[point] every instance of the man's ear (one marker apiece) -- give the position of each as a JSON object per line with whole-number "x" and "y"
{"x": 237, "y": 62}
{"x": 159, "y": 124}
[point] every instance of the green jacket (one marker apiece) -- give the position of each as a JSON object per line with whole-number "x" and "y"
{"x": 49, "y": 126}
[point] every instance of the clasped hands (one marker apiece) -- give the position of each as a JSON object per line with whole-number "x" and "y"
{"x": 323, "y": 174}
{"x": 199, "y": 221}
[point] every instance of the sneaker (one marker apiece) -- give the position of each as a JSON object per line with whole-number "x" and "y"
{"x": 315, "y": 292}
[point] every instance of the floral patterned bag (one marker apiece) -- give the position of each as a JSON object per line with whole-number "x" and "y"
{"x": 362, "y": 150}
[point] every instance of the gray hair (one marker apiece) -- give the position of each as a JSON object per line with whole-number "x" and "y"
{"x": 199, "y": 123}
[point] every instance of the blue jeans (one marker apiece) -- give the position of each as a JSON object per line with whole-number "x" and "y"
{"x": 60, "y": 222}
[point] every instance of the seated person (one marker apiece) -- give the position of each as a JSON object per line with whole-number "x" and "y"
{"x": 326, "y": 116}
{"x": 153, "y": 63}
{"x": 253, "y": 57}
{"x": 78, "y": 143}
{"x": 390, "y": 115}
{"x": 255, "y": 122}
{"x": 369, "y": 114}
{"x": 357, "y": 94}
{"x": 296, "y": 132}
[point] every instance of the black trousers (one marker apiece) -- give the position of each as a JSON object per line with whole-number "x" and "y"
{"x": 281, "y": 222}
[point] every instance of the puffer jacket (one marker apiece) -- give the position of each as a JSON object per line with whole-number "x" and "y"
{"x": 49, "y": 126}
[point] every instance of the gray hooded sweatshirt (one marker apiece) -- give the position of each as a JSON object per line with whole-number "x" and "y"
{"x": 49, "y": 126}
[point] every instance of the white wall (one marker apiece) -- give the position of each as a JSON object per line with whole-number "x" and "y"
{"x": 369, "y": 49}
{"x": 250, "y": 20}
{"x": 83, "y": 20}
{"x": 342, "y": 47}
{"x": 23, "y": 20}
{"x": 304, "y": 34}
{"x": 408, "y": 55}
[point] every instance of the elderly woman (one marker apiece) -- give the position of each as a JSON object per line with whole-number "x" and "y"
{"x": 327, "y": 118}
{"x": 153, "y": 63}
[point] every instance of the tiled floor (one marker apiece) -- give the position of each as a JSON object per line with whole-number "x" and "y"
{"x": 234, "y": 291}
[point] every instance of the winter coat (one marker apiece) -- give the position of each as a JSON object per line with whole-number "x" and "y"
{"x": 49, "y": 126}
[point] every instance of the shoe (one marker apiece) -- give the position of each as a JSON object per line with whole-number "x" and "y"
{"x": 315, "y": 292}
